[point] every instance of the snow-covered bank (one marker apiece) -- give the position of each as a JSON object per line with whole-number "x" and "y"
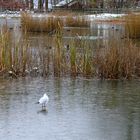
{"x": 10, "y": 14}
{"x": 103, "y": 16}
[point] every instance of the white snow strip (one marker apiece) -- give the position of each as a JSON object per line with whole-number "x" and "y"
{"x": 10, "y": 15}
{"x": 61, "y": 3}
{"x": 104, "y": 16}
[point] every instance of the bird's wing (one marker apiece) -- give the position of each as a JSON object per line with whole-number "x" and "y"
{"x": 42, "y": 100}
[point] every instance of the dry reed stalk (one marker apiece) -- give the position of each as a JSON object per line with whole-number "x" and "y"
{"x": 5, "y": 50}
{"x": 87, "y": 63}
{"x": 73, "y": 61}
{"x": 58, "y": 49}
{"x": 25, "y": 56}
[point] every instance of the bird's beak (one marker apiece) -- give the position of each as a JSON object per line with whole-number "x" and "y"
{"x": 37, "y": 103}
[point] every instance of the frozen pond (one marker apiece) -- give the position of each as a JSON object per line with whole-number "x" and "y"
{"x": 79, "y": 109}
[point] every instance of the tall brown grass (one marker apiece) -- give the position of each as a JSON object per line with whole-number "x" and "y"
{"x": 81, "y": 56}
{"x": 132, "y": 25}
{"x": 58, "y": 51}
{"x": 118, "y": 60}
{"x": 13, "y": 56}
{"x": 5, "y": 52}
{"x": 77, "y": 21}
{"x": 32, "y": 24}
{"x": 50, "y": 24}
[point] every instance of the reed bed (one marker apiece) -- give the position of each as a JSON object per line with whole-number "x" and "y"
{"x": 32, "y": 24}
{"x": 50, "y": 24}
{"x": 77, "y": 21}
{"x": 12, "y": 57}
{"x": 81, "y": 54}
{"x": 132, "y": 25}
{"x": 116, "y": 60}
{"x": 5, "y": 53}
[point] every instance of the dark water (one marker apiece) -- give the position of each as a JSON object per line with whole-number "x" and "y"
{"x": 79, "y": 109}
{"x": 96, "y": 34}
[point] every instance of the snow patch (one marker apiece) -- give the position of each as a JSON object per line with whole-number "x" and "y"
{"x": 104, "y": 16}
{"x": 61, "y": 3}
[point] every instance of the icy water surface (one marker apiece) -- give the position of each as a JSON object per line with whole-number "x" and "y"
{"x": 79, "y": 109}
{"x": 96, "y": 34}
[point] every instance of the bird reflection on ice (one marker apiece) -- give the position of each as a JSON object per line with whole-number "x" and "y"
{"x": 44, "y": 111}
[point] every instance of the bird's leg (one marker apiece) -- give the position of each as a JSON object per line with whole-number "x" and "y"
{"x": 42, "y": 106}
{"x": 46, "y": 108}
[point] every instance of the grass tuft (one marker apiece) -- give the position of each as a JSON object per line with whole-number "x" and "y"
{"x": 132, "y": 25}
{"x": 32, "y": 24}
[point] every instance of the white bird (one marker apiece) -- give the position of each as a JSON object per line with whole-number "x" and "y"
{"x": 43, "y": 100}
